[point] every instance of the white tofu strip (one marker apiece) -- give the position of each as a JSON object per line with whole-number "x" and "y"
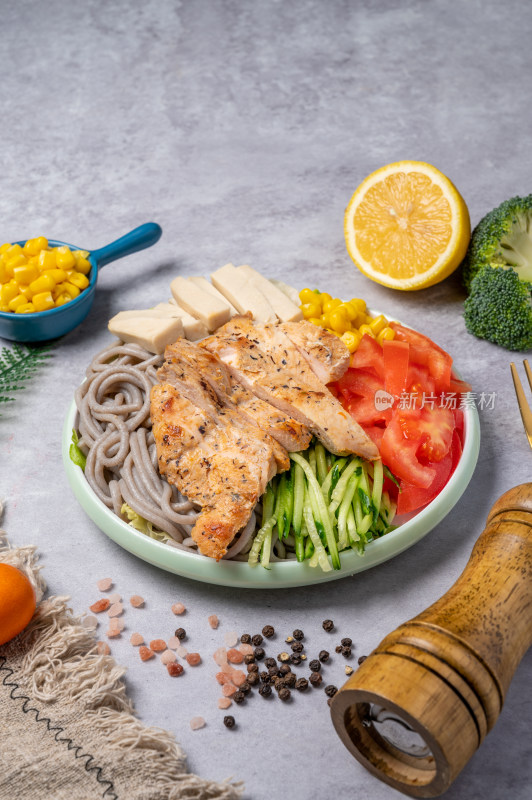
{"x": 285, "y": 309}
{"x": 148, "y": 331}
{"x": 212, "y": 311}
{"x": 289, "y": 291}
{"x": 207, "y": 286}
{"x": 240, "y": 290}
{"x": 194, "y": 328}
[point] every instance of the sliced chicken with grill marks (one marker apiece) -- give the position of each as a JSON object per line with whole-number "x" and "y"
{"x": 214, "y": 457}
{"x": 325, "y": 353}
{"x": 187, "y": 364}
{"x": 265, "y": 360}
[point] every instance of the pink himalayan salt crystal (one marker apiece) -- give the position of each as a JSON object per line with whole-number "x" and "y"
{"x": 196, "y": 723}
{"x": 103, "y": 649}
{"x": 157, "y": 645}
{"x": 173, "y": 642}
{"x": 100, "y": 605}
{"x": 214, "y": 621}
{"x": 136, "y": 639}
{"x": 168, "y": 657}
{"x": 228, "y": 689}
{"x": 90, "y": 622}
{"x": 116, "y": 624}
{"x": 223, "y": 677}
{"x": 115, "y": 610}
{"x": 220, "y": 656}
{"x": 115, "y": 598}
{"x": 178, "y": 608}
{"x": 231, "y": 638}
{"x": 246, "y": 649}
{"x": 181, "y": 651}
{"x": 238, "y": 677}
{"x": 112, "y": 633}
{"x": 235, "y": 656}
{"x": 193, "y": 659}
{"x": 145, "y": 653}
{"x": 104, "y": 584}
{"x": 136, "y": 601}
{"x": 224, "y": 702}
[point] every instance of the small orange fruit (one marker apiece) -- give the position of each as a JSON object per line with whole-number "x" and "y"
{"x": 17, "y": 602}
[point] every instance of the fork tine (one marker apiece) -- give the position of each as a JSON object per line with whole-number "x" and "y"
{"x": 526, "y": 413}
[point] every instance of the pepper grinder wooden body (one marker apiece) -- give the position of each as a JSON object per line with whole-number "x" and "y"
{"x": 421, "y": 704}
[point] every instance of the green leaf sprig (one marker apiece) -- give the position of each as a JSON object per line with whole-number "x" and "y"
{"x": 18, "y": 365}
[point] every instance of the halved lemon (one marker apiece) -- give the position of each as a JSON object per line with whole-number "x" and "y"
{"x": 407, "y": 226}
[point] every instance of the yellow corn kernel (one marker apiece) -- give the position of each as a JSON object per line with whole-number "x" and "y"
{"x": 64, "y": 257}
{"x": 82, "y": 262}
{"x": 324, "y": 296}
{"x": 5, "y": 247}
{"x": 41, "y": 243}
{"x": 4, "y": 274}
{"x": 378, "y": 324}
{"x": 311, "y": 310}
{"x": 387, "y": 334}
{"x": 15, "y": 261}
{"x": 18, "y": 300}
{"x": 330, "y": 305}
{"x": 307, "y": 295}
{"x": 31, "y": 247}
{"x": 25, "y": 308}
{"x": 8, "y": 292}
{"x": 13, "y": 250}
{"x": 56, "y": 275}
{"x": 315, "y": 321}
{"x": 79, "y": 280}
{"x": 339, "y": 321}
{"x": 4, "y": 308}
{"x": 350, "y": 311}
{"x": 44, "y": 283}
{"x": 25, "y": 273}
{"x": 47, "y": 260}
{"x": 69, "y": 288}
{"x": 43, "y": 301}
{"x": 351, "y": 339}
{"x": 62, "y": 298}
{"x": 358, "y": 304}
{"x": 365, "y": 329}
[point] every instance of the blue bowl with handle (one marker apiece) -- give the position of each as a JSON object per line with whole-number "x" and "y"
{"x": 40, "y": 326}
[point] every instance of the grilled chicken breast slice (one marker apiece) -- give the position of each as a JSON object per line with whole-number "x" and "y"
{"x": 218, "y": 461}
{"x": 266, "y": 361}
{"x": 325, "y": 353}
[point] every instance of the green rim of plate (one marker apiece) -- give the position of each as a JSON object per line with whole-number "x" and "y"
{"x": 280, "y": 575}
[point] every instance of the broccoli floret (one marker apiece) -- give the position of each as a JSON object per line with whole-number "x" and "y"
{"x": 499, "y": 308}
{"x": 503, "y": 238}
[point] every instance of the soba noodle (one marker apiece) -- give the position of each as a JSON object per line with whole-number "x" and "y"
{"x": 115, "y": 433}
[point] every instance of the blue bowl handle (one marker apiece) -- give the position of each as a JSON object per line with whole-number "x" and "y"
{"x": 137, "y": 239}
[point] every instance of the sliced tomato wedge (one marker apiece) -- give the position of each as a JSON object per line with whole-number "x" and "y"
{"x": 411, "y": 498}
{"x": 396, "y": 356}
{"x": 425, "y": 352}
{"x": 361, "y": 404}
{"x": 368, "y": 355}
{"x": 399, "y": 454}
{"x": 459, "y": 386}
{"x": 432, "y": 428}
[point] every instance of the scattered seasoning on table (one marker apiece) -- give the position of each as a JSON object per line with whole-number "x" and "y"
{"x": 298, "y": 634}
{"x": 158, "y": 645}
{"x": 136, "y": 639}
{"x": 361, "y": 659}
{"x": 295, "y": 658}
{"x": 196, "y": 723}
{"x": 245, "y": 638}
{"x": 327, "y": 625}
{"x": 285, "y": 694}
{"x": 145, "y": 653}
{"x": 259, "y": 653}
{"x": 104, "y": 584}
{"x": 348, "y": 670}
{"x": 302, "y": 684}
{"x": 249, "y": 659}
{"x": 265, "y": 690}
{"x": 290, "y": 679}
{"x": 289, "y": 639}
{"x": 103, "y": 649}
{"x": 270, "y": 662}
{"x": 330, "y": 690}
{"x": 265, "y": 677}
{"x": 178, "y": 609}
{"x": 272, "y": 671}
{"x": 213, "y": 621}
{"x": 303, "y": 656}
{"x": 284, "y": 669}
{"x": 297, "y": 647}
{"x": 174, "y": 669}
{"x": 180, "y": 633}
{"x": 338, "y": 648}
{"x": 346, "y": 641}
{"x": 268, "y": 631}
{"x": 224, "y": 702}
{"x": 252, "y": 667}
{"x": 253, "y": 678}
{"x": 257, "y": 640}
{"x": 229, "y": 721}
{"x": 283, "y": 657}
{"x": 315, "y": 678}
{"x": 239, "y": 697}
{"x": 168, "y": 657}
{"x": 315, "y": 665}
{"x": 245, "y": 687}
{"x": 136, "y": 601}
{"x": 100, "y": 605}
{"x": 346, "y": 651}
{"x": 193, "y": 659}
{"x": 235, "y": 656}
{"x": 323, "y": 656}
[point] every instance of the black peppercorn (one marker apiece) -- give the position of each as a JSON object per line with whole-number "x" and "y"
{"x": 257, "y": 640}
{"x": 229, "y": 722}
{"x": 330, "y": 690}
{"x": 361, "y": 659}
{"x": 347, "y": 642}
{"x": 284, "y": 669}
{"x": 265, "y": 690}
{"x": 253, "y": 667}
{"x": 259, "y": 653}
{"x": 245, "y": 638}
{"x": 249, "y": 659}
{"x": 283, "y": 657}
{"x": 297, "y": 634}
{"x": 253, "y": 678}
{"x": 273, "y": 671}
{"x": 285, "y": 693}
{"x": 315, "y": 665}
{"x": 297, "y": 647}
{"x": 323, "y": 656}
{"x": 346, "y": 651}
{"x": 327, "y": 625}
{"x": 338, "y": 648}
{"x": 239, "y": 697}
{"x": 302, "y": 684}
{"x": 270, "y": 662}
{"x": 268, "y": 631}
{"x": 181, "y": 633}
{"x": 265, "y": 677}
{"x": 290, "y": 679}
{"x": 245, "y": 687}
{"x": 315, "y": 678}
{"x": 295, "y": 658}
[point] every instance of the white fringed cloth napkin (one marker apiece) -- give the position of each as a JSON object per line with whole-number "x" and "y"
{"x": 67, "y": 729}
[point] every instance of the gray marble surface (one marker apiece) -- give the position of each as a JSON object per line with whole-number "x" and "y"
{"x": 243, "y": 128}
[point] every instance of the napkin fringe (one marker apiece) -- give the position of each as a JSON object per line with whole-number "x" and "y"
{"x": 62, "y": 666}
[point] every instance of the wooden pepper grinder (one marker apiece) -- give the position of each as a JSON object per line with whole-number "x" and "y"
{"x": 421, "y": 704}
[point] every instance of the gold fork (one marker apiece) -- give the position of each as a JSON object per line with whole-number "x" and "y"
{"x": 524, "y": 408}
